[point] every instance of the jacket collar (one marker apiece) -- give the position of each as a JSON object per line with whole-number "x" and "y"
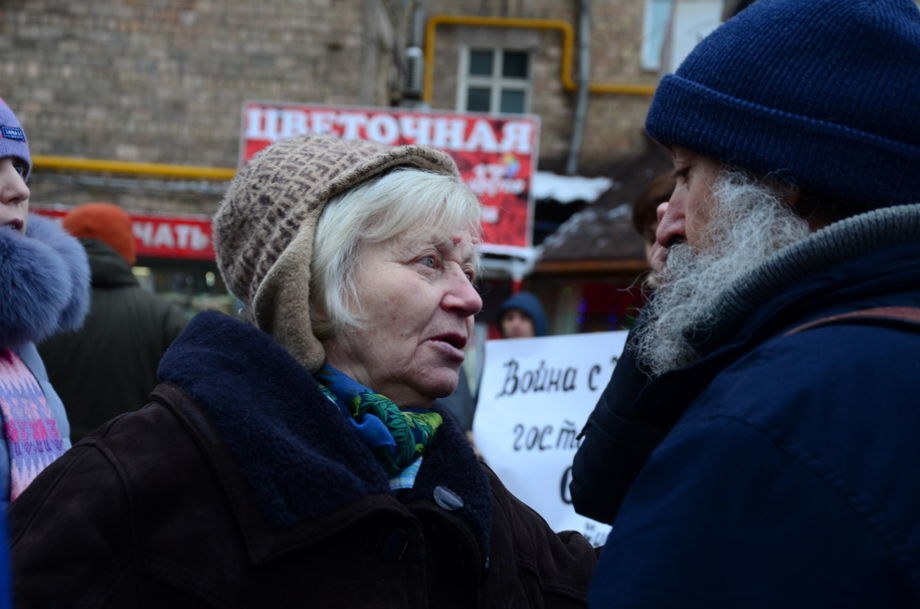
{"x": 812, "y": 266}
{"x": 886, "y": 276}
{"x": 109, "y": 269}
{"x": 263, "y": 418}
{"x": 45, "y": 283}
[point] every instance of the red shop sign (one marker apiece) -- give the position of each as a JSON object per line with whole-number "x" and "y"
{"x": 495, "y": 154}
{"x": 158, "y": 236}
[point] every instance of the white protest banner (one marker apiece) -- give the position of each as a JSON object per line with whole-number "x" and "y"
{"x": 534, "y": 398}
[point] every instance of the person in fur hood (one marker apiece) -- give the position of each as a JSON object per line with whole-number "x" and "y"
{"x": 44, "y": 280}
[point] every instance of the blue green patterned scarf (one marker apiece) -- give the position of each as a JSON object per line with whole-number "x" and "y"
{"x": 397, "y": 437}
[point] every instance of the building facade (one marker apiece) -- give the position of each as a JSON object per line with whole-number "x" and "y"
{"x": 138, "y": 102}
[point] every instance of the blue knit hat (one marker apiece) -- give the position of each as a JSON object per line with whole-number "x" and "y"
{"x": 822, "y": 94}
{"x": 12, "y": 138}
{"x": 530, "y": 305}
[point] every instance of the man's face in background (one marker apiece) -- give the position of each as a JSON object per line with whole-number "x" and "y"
{"x": 517, "y": 324}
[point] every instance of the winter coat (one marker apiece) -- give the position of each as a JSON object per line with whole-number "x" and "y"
{"x": 241, "y": 485}
{"x": 787, "y": 473}
{"x": 44, "y": 280}
{"x": 615, "y": 443}
{"x": 109, "y": 366}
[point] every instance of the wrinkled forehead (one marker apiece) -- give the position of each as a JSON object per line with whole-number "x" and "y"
{"x": 679, "y": 154}
{"x": 454, "y": 241}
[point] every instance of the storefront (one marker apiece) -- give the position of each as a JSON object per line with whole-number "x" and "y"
{"x": 175, "y": 259}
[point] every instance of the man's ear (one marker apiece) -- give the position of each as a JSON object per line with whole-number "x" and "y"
{"x": 808, "y": 206}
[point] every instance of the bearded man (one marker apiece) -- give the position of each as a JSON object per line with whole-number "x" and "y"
{"x": 759, "y": 441}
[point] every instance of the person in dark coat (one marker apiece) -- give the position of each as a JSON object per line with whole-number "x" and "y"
{"x": 614, "y": 439}
{"x": 780, "y": 347}
{"x": 461, "y": 404}
{"x": 522, "y": 316}
{"x": 109, "y": 365}
{"x": 645, "y": 220}
{"x": 296, "y": 461}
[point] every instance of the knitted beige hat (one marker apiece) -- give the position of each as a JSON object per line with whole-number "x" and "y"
{"x": 263, "y": 228}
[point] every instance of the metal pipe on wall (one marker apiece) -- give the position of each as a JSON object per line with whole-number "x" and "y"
{"x": 581, "y": 100}
{"x": 565, "y": 67}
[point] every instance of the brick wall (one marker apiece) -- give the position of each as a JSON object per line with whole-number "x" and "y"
{"x": 162, "y": 81}
{"x": 613, "y": 129}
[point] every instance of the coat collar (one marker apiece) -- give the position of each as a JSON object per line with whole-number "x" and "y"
{"x": 265, "y": 420}
{"x": 44, "y": 279}
{"x": 826, "y": 261}
{"x": 109, "y": 269}
{"x": 888, "y": 276}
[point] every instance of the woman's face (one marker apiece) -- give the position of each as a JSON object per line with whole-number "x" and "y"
{"x": 418, "y": 302}
{"x": 14, "y": 194}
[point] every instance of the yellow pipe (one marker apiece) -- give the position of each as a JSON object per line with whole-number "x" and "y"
{"x": 227, "y": 173}
{"x": 568, "y": 43}
{"x": 150, "y": 169}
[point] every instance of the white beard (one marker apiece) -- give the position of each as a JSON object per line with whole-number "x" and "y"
{"x": 749, "y": 222}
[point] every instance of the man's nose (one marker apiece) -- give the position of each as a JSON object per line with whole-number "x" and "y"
{"x": 670, "y": 224}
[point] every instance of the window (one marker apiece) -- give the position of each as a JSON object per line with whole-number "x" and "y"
{"x": 494, "y": 80}
{"x": 654, "y": 28}
{"x": 682, "y": 23}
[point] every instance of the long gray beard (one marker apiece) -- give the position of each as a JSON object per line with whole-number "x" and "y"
{"x": 749, "y": 222}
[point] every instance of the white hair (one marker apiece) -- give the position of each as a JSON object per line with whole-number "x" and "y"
{"x": 750, "y": 220}
{"x": 384, "y": 208}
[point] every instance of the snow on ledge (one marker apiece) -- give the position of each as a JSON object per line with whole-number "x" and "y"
{"x": 566, "y": 189}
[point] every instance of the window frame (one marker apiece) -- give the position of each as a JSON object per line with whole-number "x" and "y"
{"x": 653, "y": 41}
{"x": 496, "y": 83}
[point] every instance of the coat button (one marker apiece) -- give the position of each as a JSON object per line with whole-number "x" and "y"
{"x": 447, "y": 499}
{"x": 391, "y": 544}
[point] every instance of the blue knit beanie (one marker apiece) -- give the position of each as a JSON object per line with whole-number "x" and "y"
{"x": 821, "y": 94}
{"x": 12, "y": 138}
{"x": 530, "y": 305}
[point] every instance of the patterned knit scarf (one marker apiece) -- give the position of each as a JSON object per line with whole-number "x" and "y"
{"x": 397, "y": 437}
{"x": 32, "y": 434}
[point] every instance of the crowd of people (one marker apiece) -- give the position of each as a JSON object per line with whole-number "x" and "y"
{"x": 754, "y": 447}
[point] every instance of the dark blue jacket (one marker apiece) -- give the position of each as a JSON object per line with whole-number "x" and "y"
{"x": 788, "y": 473}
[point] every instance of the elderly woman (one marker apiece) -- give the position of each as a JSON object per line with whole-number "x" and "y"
{"x": 297, "y": 462}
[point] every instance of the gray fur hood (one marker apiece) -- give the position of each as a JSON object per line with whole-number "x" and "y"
{"x": 44, "y": 282}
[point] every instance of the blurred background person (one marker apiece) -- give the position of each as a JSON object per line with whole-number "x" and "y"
{"x": 522, "y": 316}
{"x": 297, "y": 461}
{"x": 461, "y": 404}
{"x": 614, "y": 435}
{"x": 108, "y": 366}
{"x": 44, "y": 283}
{"x": 645, "y": 215}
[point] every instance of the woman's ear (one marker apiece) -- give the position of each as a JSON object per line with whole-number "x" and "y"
{"x": 320, "y": 321}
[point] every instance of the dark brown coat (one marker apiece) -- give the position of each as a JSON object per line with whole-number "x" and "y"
{"x": 169, "y": 507}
